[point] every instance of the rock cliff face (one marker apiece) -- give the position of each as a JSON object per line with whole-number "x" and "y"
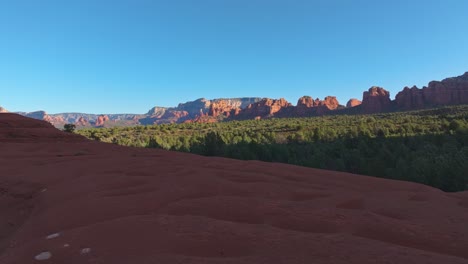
{"x": 82, "y": 122}
{"x": 306, "y": 105}
{"x": 265, "y": 108}
{"x": 101, "y": 120}
{"x": 194, "y": 108}
{"x": 174, "y": 116}
{"x": 353, "y": 102}
{"x": 376, "y": 100}
{"x": 157, "y": 112}
{"x": 230, "y": 107}
{"x": 450, "y": 91}
{"x": 222, "y": 108}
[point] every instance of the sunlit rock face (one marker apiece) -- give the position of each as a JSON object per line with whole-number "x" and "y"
{"x": 450, "y": 91}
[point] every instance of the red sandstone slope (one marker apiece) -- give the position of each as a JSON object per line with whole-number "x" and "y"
{"x": 88, "y": 202}
{"x": 16, "y": 128}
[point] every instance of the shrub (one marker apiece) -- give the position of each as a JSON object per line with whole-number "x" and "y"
{"x": 70, "y": 128}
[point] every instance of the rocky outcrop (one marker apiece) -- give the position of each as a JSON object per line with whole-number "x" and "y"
{"x": 353, "y": 102}
{"x": 174, "y": 116}
{"x": 450, "y": 91}
{"x": 82, "y": 122}
{"x": 157, "y": 112}
{"x": 222, "y": 108}
{"x": 375, "y": 100}
{"x": 266, "y": 108}
{"x": 306, "y": 105}
{"x": 216, "y": 107}
{"x": 194, "y": 108}
{"x": 230, "y": 107}
{"x": 101, "y": 120}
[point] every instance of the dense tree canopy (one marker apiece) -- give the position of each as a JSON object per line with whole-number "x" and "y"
{"x": 429, "y": 146}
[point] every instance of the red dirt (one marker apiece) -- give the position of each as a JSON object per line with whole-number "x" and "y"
{"x": 112, "y": 204}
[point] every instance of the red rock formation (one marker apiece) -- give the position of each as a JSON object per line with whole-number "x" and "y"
{"x": 156, "y": 112}
{"x": 172, "y": 116}
{"x": 307, "y": 102}
{"x": 450, "y": 91}
{"x": 265, "y": 108}
{"x": 222, "y": 108}
{"x": 91, "y": 202}
{"x": 101, "y": 120}
{"x": 175, "y": 114}
{"x": 376, "y": 100}
{"x": 308, "y": 106}
{"x": 82, "y": 121}
{"x": 42, "y": 115}
{"x": 204, "y": 119}
{"x": 353, "y": 102}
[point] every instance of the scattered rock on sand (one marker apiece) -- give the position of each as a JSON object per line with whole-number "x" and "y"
{"x": 43, "y": 256}
{"x": 85, "y": 251}
{"x": 51, "y": 236}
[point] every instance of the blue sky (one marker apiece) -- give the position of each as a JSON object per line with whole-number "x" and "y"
{"x": 116, "y": 56}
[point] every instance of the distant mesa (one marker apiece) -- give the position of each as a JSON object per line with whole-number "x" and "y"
{"x": 450, "y": 91}
{"x": 353, "y": 102}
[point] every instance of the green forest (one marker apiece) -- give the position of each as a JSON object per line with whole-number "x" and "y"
{"x": 427, "y": 146}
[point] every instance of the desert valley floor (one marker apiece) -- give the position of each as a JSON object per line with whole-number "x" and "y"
{"x": 64, "y": 199}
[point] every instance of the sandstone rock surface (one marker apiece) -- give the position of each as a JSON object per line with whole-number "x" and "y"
{"x": 307, "y": 106}
{"x": 129, "y": 205}
{"x": 101, "y": 120}
{"x": 353, "y": 102}
{"x": 266, "y": 107}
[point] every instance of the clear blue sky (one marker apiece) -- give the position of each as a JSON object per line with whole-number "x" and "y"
{"x": 116, "y": 56}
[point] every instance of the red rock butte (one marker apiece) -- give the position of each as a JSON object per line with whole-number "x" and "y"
{"x": 65, "y": 199}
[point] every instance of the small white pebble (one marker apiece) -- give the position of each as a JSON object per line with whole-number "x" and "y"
{"x": 85, "y": 251}
{"x": 55, "y": 235}
{"x": 66, "y": 245}
{"x": 43, "y": 256}
{"x": 43, "y": 190}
